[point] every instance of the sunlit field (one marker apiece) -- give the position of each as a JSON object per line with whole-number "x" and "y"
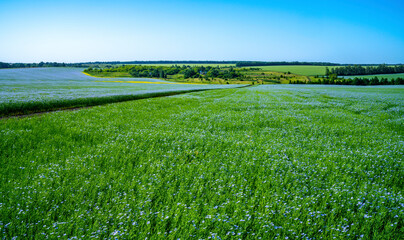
{"x": 263, "y": 162}
{"x": 297, "y": 69}
{"x": 41, "y": 89}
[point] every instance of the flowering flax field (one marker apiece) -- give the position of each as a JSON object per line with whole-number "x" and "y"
{"x": 41, "y": 89}
{"x": 263, "y": 162}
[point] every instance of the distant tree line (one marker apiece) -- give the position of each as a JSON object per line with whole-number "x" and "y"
{"x": 367, "y": 70}
{"x": 164, "y": 71}
{"x": 87, "y": 64}
{"x": 249, "y": 63}
{"x": 354, "y": 81}
{"x": 41, "y": 64}
{"x": 210, "y": 72}
{"x": 163, "y": 62}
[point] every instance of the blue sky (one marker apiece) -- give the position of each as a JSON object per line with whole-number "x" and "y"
{"x": 76, "y": 31}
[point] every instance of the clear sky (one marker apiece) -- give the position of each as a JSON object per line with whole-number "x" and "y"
{"x": 342, "y": 31}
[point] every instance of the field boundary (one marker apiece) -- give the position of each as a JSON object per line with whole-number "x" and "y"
{"x": 20, "y": 110}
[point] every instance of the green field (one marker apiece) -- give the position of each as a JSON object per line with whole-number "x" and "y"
{"x": 296, "y": 69}
{"x": 263, "y": 162}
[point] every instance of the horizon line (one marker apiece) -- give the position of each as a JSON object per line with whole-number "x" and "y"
{"x": 200, "y": 61}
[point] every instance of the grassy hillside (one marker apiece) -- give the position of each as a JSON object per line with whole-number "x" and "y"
{"x": 272, "y": 161}
{"x": 300, "y": 70}
{"x": 109, "y": 75}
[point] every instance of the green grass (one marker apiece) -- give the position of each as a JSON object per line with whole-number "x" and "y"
{"x": 260, "y": 162}
{"x": 301, "y": 70}
{"x": 112, "y": 75}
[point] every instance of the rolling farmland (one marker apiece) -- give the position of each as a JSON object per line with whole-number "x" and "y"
{"x": 269, "y": 161}
{"x": 41, "y": 89}
{"x": 202, "y": 120}
{"x": 300, "y": 70}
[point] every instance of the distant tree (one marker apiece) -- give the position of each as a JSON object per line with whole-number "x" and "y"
{"x": 327, "y": 71}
